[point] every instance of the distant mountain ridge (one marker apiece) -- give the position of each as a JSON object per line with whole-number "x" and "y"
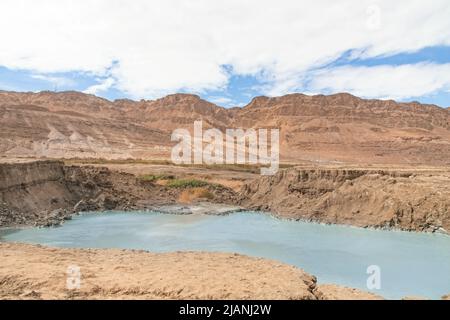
{"x": 319, "y": 129}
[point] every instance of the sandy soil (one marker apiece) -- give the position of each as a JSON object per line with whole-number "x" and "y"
{"x": 334, "y": 292}
{"x": 37, "y": 272}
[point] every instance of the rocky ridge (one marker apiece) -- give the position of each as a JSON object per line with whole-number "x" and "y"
{"x": 339, "y": 128}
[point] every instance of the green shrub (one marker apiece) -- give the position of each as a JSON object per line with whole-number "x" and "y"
{"x": 156, "y": 177}
{"x": 187, "y": 183}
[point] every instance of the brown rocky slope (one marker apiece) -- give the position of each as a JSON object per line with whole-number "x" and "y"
{"x": 365, "y": 198}
{"x": 322, "y": 129}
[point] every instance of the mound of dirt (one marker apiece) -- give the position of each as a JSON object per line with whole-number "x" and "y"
{"x": 36, "y": 272}
{"x": 334, "y": 292}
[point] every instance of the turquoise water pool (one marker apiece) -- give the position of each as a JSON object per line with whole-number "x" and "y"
{"x": 410, "y": 263}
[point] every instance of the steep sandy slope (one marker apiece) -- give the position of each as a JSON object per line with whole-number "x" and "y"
{"x": 48, "y": 192}
{"x": 383, "y": 199}
{"x": 321, "y": 129}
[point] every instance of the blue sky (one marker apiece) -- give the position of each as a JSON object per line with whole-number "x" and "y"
{"x": 230, "y": 52}
{"x": 239, "y": 90}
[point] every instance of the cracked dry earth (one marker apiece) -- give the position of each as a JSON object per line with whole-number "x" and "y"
{"x": 37, "y": 272}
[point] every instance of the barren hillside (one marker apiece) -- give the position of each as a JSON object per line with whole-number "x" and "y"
{"x": 321, "y": 129}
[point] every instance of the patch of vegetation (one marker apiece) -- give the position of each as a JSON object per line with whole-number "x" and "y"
{"x": 187, "y": 183}
{"x": 156, "y": 177}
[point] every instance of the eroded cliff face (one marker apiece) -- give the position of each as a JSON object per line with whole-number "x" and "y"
{"x": 28, "y": 189}
{"x": 381, "y": 199}
{"x": 48, "y": 192}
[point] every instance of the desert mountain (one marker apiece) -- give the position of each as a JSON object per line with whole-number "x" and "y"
{"x": 320, "y": 129}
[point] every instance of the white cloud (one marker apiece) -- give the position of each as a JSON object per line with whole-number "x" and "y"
{"x": 156, "y": 47}
{"x": 101, "y": 87}
{"x": 225, "y": 102}
{"x": 386, "y": 82}
{"x": 55, "y": 80}
{"x": 220, "y": 100}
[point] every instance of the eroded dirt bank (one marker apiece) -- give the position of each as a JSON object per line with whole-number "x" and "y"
{"x": 45, "y": 193}
{"x": 413, "y": 201}
{"x": 37, "y": 272}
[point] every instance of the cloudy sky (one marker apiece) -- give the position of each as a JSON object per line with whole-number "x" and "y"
{"x": 228, "y": 51}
